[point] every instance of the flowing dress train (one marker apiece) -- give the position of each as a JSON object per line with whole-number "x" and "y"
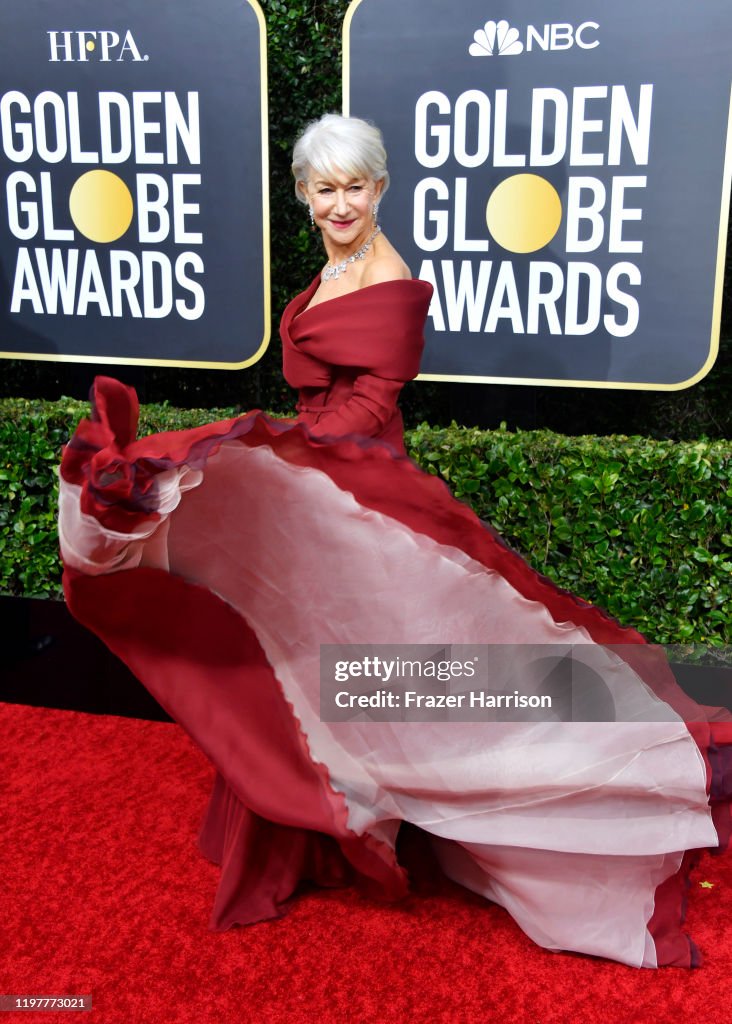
{"x": 216, "y": 561}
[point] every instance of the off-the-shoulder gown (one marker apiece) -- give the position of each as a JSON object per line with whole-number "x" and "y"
{"x": 216, "y": 562}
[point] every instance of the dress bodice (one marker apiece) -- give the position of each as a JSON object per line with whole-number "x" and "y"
{"x": 350, "y": 356}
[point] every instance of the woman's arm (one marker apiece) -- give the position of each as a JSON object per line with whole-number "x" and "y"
{"x": 371, "y": 406}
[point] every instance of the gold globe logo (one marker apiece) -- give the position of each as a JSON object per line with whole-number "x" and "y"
{"x": 101, "y": 206}
{"x": 524, "y": 213}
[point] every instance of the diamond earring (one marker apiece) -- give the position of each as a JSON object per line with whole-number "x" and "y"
{"x": 375, "y": 210}
{"x": 312, "y": 218}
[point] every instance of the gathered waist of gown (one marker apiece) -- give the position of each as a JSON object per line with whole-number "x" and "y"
{"x": 315, "y": 401}
{"x": 312, "y": 409}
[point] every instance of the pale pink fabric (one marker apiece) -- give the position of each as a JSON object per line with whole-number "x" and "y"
{"x": 570, "y": 826}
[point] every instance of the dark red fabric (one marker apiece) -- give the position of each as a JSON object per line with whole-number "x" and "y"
{"x": 350, "y": 356}
{"x": 673, "y": 947}
{"x": 204, "y": 665}
{"x": 263, "y": 863}
{"x": 391, "y": 485}
{"x": 379, "y": 328}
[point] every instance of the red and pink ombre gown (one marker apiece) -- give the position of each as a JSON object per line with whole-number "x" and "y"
{"x": 216, "y": 561}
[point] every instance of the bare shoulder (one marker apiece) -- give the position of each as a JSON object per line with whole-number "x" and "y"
{"x": 387, "y": 266}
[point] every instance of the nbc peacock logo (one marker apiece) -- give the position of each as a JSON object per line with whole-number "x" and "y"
{"x": 500, "y": 39}
{"x": 496, "y": 38}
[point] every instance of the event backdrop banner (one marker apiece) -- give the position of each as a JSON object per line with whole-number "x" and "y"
{"x": 560, "y": 173}
{"x": 134, "y": 221}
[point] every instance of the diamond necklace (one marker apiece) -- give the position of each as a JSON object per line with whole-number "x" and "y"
{"x": 335, "y": 270}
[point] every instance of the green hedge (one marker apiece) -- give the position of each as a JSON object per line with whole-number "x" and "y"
{"x": 642, "y": 528}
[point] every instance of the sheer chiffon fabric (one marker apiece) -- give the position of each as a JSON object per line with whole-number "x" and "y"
{"x": 215, "y": 562}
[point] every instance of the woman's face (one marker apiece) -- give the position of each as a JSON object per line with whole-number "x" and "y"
{"x": 342, "y": 206}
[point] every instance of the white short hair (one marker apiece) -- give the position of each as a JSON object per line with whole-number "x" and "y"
{"x": 335, "y": 143}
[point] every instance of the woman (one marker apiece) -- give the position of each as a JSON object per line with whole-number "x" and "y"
{"x": 350, "y": 358}
{"x": 217, "y": 561}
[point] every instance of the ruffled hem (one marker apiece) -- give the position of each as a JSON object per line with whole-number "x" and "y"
{"x": 284, "y": 809}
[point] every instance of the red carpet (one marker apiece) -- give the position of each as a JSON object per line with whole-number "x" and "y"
{"x": 104, "y": 892}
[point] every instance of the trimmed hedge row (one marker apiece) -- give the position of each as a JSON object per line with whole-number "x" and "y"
{"x": 642, "y": 528}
